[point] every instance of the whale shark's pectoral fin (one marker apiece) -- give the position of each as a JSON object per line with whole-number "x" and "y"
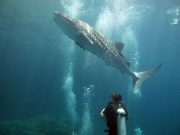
{"x": 119, "y": 46}
{"x": 80, "y": 45}
{"x": 83, "y": 37}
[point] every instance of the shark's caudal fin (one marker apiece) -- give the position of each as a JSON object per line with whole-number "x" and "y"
{"x": 141, "y": 76}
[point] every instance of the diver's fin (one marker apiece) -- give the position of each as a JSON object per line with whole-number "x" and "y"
{"x": 141, "y": 76}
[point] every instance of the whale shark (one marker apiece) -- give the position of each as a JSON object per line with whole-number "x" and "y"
{"x": 86, "y": 37}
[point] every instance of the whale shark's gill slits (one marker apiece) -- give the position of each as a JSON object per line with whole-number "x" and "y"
{"x": 100, "y": 42}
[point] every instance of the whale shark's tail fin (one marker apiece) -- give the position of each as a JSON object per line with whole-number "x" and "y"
{"x": 141, "y": 76}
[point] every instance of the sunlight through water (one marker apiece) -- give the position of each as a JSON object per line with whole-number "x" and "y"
{"x": 114, "y": 19}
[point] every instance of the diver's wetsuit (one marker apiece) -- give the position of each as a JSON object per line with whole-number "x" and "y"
{"x": 111, "y": 115}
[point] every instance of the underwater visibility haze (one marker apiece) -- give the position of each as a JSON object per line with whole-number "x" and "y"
{"x": 51, "y": 86}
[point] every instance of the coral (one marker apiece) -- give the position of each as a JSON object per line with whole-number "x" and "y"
{"x": 42, "y": 125}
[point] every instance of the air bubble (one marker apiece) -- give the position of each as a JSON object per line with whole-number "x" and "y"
{"x": 173, "y": 15}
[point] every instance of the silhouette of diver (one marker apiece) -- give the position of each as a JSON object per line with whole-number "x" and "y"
{"x": 110, "y": 113}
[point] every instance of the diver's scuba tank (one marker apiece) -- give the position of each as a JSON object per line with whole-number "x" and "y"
{"x": 121, "y": 121}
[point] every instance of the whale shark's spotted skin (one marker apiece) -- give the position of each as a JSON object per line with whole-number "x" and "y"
{"x": 110, "y": 52}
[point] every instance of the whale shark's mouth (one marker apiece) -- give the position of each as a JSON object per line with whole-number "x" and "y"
{"x": 61, "y": 17}
{"x": 56, "y": 13}
{"x": 64, "y": 20}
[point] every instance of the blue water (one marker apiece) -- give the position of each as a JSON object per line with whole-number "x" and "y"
{"x": 44, "y": 72}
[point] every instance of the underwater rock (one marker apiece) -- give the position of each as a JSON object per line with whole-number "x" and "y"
{"x": 43, "y": 125}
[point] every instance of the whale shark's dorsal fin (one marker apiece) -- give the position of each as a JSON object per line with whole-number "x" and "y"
{"x": 119, "y": 46}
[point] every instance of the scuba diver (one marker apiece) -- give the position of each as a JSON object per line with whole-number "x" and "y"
{"x": 110, "y": 113}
